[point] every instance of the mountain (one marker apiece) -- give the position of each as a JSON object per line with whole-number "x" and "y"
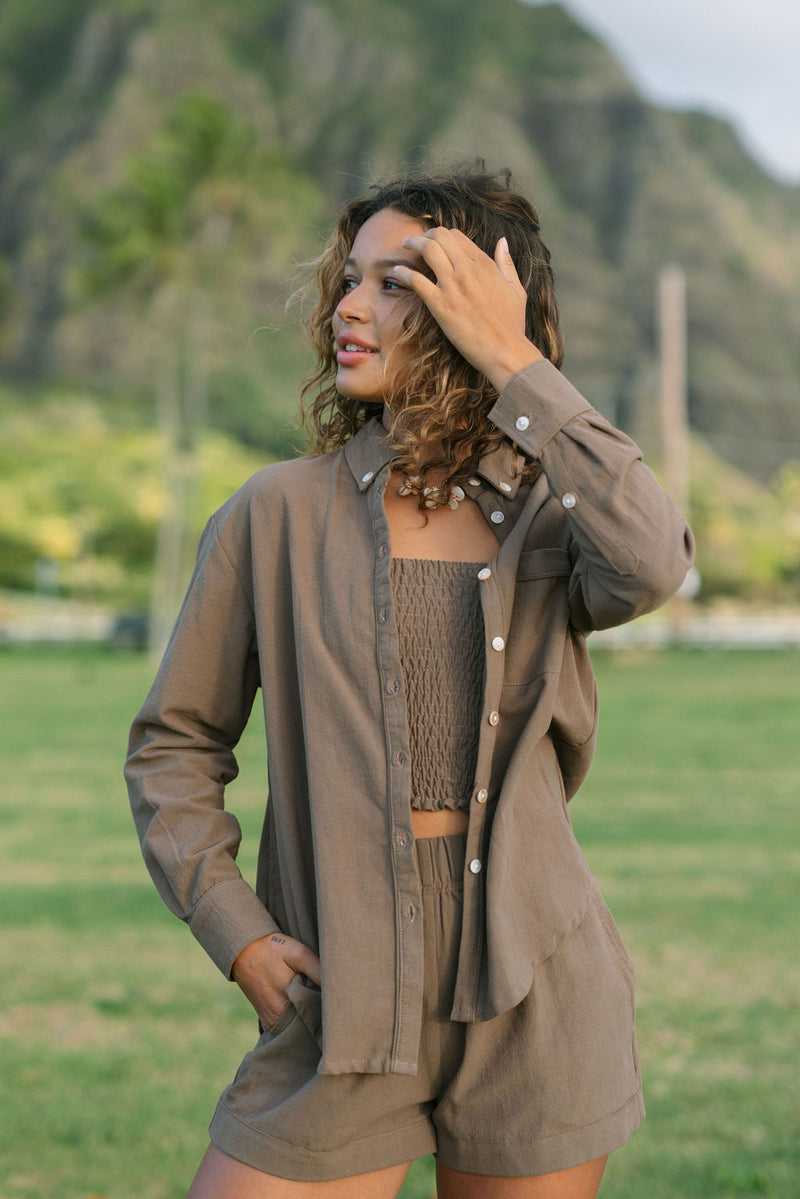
{"x": 291, "y": 106}
{"x": 164, "y": 163}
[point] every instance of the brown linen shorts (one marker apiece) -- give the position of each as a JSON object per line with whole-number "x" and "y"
{"x": 549, "y": 1084}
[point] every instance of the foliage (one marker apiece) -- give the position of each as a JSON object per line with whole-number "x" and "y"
{"x": 77, "y": 490}
{"x": 166, "y": 164}
{"x": 748, "y": 537}
{"x": 196, "y": 194}
{"x": 36, "y": 39}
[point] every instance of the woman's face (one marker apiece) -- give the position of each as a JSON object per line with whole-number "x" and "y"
{"x": 369, "y": 316}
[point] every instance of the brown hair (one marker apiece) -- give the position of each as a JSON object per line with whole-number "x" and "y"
{"x": 445, "y": 400}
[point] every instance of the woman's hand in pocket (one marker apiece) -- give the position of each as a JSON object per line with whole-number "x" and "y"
{"x": 264, "y": 969}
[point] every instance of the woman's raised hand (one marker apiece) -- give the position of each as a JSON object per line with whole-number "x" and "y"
{"x": 478, "y": 301}
{"x": 265, "y": 968}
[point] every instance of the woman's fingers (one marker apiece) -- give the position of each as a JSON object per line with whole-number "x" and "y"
{"x": 303, "y": 961}
{"x": 505, "y": 263}
{"x": 478, "y": 300}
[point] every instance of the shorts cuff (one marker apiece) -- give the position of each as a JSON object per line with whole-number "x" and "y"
{"x": 520, "y": 1159}
{"x": 272, "y": 1156}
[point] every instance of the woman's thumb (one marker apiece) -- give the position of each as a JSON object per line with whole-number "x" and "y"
{"x": 502, "y": 256}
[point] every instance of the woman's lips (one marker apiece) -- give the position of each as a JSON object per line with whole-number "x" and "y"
{"x": 351, "y": 353}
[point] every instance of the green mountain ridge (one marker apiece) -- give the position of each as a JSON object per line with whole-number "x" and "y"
{"x": 164, "y": 165}
{"x": 331, "y": 93}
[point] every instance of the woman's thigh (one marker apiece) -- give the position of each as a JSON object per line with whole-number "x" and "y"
{"x": 577, "y": 1182}
{"x": 222, "y": 1177}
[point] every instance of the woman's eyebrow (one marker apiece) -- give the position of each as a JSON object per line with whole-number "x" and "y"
{"x": 386, "y": 264}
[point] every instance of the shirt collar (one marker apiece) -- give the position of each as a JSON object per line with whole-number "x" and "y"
{"x": 370, "y": 450}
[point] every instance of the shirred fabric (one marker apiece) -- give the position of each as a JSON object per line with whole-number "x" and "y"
{"x": 292, "y": 591}
{"x": 440, "y": 634}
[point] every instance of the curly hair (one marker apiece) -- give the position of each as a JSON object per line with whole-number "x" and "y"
{"x": 437, "y": 397}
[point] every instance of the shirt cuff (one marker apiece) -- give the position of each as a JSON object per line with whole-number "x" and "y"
{"x": 535, "y": 404}
{"x": 228, "y": 918}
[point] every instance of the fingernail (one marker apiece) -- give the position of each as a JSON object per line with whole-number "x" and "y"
{"x": 504, "y": 245}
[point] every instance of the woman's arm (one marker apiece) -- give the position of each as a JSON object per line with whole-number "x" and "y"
{"x": 180, "y": 758}
{"x": 632, "y": 546}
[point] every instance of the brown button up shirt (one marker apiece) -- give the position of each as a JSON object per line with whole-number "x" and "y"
{"x": 292, "y": 593}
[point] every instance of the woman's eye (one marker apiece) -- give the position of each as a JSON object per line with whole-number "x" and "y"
{"x": 394, "y": 285}
{"x": 348, "y": 284}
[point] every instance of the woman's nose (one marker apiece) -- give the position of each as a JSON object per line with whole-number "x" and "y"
{"x": 352, "y": 305}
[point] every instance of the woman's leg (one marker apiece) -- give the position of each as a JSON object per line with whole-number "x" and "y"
{"x": 578, "y": 1182}
{"x": 222, "y": 1177}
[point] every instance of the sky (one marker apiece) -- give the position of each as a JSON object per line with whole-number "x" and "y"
{"x": 738, "y": 59}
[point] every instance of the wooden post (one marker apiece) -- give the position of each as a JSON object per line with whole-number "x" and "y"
{"x": 674, "y": 410}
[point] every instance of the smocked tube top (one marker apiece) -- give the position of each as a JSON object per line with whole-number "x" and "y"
{"x": 440, "y": 632}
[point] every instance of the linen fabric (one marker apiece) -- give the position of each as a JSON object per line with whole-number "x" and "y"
{"x": 292, "y": 591}
{"x": 550, "y": 1084}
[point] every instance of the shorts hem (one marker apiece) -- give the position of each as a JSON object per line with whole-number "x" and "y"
{"x": 545, "y": 1155}
{"x": 267, "y": 1153}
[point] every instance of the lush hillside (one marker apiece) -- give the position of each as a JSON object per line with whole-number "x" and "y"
{"x": 164, "y": 164}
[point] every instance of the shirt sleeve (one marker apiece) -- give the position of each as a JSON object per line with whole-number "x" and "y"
{"x": 631, "y": 546}
{"x": 180, "y": 758}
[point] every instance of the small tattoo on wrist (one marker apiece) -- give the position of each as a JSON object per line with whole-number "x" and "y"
{"x": 278, "y": 940}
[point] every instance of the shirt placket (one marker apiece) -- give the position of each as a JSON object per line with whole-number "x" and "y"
{"x": 496, "y": 591}
{"x": 409, "y": 955}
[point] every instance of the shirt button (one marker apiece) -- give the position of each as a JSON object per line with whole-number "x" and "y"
{"x": 474, "y": 482}
{"x": 482, "y": 795}
{"x": 401, "y": 838}
{"x": 383, "y": 615}
{"x": 568, "y": 500}
{"x": 504, "y": 486}
{"x": 498, "y": 643}
{"x": 485, "y": 573}
{"x": 369, "y": 475}
{"x": 382, "y": 550}
{"x": 494, "y": 717}
{"x": 392, "y": 687}
{"x": 399, "y": 758}
{"x": 497, "y": 518}
{"x": 475, "y": 866}
{"x": 522, "y": 423}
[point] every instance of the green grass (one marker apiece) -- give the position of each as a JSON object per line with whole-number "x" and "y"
{"x": 117, "y": 1034}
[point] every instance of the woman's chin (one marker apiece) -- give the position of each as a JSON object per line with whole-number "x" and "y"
{"x": 354, "y": 390}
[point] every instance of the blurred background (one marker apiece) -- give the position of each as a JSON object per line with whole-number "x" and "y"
{"x": 165, "y": 165}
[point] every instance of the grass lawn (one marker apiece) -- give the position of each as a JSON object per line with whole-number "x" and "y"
{"x": 117, "y": 1033}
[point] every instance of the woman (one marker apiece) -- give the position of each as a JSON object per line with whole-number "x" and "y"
{"x": 432, "y": 965}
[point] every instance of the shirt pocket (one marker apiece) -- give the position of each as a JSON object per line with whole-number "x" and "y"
{"x": 540, "y": 615}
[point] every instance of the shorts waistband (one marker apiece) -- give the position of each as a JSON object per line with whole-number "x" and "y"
{"x": 440, "y": 862}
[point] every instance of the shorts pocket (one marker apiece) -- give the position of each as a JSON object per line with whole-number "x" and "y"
{"x": 306, "y": 999}
{"x": 287, "y": 1015}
